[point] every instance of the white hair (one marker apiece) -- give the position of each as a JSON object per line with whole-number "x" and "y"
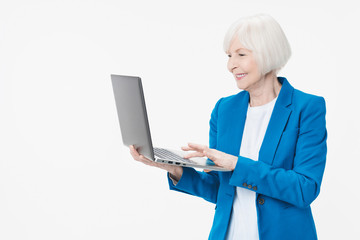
{"x": 262, "y": 35}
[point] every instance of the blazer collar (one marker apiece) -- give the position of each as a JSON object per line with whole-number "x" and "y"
{"x": 277, "y": 123}
{"x": 286, "y": 92}
{"x": 278, "y": 120}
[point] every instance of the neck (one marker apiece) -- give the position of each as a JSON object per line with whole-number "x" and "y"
{"x": 265, "y": 91}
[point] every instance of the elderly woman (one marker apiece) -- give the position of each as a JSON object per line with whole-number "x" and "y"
{"x": 270, "y": 136}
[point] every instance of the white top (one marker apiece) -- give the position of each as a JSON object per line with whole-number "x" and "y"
{"x": 243, "y": 223}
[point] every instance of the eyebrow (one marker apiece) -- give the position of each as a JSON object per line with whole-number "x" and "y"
{"x": 237, "y": 50}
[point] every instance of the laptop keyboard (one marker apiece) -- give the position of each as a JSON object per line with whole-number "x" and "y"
{"x": 167, "y": 155}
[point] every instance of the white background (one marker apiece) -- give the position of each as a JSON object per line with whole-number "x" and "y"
{"x": 64, "y": 173}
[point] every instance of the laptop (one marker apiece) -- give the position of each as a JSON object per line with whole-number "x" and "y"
{"x": 135, "y": 130}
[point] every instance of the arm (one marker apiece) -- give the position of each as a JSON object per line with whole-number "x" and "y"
{"x": 300, "y": 185}
{"x": 201, "y": 184}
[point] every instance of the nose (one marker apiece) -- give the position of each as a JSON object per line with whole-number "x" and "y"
{"x": 231, "y": 64}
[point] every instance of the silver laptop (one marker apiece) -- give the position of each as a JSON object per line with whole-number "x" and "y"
{"x": 134, "y": 125}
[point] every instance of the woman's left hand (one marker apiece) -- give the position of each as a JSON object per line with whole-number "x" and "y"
{"x": 219, "y": 158}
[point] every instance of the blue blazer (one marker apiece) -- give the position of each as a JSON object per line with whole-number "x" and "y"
{"x": 287, "y": 175}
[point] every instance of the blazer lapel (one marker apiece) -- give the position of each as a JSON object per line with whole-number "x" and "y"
{"x": 278, "y": 121}
{"x": 238, "y": 118}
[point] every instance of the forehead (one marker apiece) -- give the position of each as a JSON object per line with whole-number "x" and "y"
{"x": 235, "y": 45}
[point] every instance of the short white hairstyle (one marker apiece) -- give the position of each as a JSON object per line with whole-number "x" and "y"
{"x": 262, "y": 35}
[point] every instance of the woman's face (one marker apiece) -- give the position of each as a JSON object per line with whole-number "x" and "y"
{"x": 243, "y": 66}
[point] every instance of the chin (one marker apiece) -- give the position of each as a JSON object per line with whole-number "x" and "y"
{"x": 241, "y": 85}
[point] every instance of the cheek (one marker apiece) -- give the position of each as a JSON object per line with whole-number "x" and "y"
{"x": 251, "y": 68}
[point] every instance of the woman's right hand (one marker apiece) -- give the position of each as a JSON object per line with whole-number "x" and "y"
{"x": 175, "y": 171}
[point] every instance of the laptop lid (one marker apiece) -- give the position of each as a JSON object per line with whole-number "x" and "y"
{"x": 131, "y": 109}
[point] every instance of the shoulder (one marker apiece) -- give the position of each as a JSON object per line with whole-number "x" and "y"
{"x": 231, "y": 104}
{"x": 232, "y": 100}
{"x": 306, "y": 101}
{"x": 236, "y": 97}
{"x": 308, "y": 110}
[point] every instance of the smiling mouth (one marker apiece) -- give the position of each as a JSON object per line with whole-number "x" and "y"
{"x": 240, "y": 76}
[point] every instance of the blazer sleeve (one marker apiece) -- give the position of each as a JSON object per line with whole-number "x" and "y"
{"x": 201, "y": 184}
{"x": 300, "y": 185}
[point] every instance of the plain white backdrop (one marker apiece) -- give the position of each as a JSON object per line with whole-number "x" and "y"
{"x": 64, "y": 173}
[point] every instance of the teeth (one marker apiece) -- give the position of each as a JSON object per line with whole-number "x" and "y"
{"x": 240, "y": 75}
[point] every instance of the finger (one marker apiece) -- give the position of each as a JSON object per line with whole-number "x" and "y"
{"x": 210, "y": 153}
{"x": 197, "y": 147}
{"x": 186, "y": 148}
{"x": 134, "y": 153}
{"x": 194, "y": 154}
{"x": 207, "y": 170}
{"x": 142, "y": 157}
{"x": 133, "y": 150}
{"x": 145, "y": 160}
{"x": 194, "y": 147}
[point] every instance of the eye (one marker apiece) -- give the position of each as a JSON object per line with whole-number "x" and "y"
{"x": 241, "y": 55}
{"x": 229, "y": 55}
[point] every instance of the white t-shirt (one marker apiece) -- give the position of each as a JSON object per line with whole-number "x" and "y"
{"x": 243, "y": 223}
